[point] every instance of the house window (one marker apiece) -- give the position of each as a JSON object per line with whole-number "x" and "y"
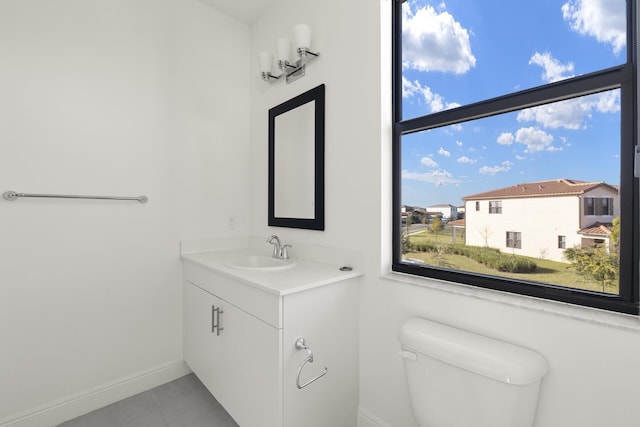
{"x": 538, "y": 121}
{"x": 562, "y": 242}
{"x": 598, "y": 206}
{"x": 514, "y": 239}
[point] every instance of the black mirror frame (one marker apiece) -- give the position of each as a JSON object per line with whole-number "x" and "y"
{"x": 317, "y": 222}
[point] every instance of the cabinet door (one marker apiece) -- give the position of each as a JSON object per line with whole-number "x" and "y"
{"x": 201, "y": 345}
{"x": 251, "y": 367}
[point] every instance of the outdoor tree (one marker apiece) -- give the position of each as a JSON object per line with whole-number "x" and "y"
{"x": 486, "y": 233}
{"x": 615, "y": 233}
{"x": 436, "y": 225}
{"x": 409, "y": 221}
{"x": 596, "y": 263}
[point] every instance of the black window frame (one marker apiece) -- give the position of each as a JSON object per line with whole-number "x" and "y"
{"x": 623, "y": 77}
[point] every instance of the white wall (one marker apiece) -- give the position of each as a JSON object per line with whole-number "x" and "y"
{"x": 594, "y": 367}
{"x": 540, "y": 220}
{"x": 119, "y": 97}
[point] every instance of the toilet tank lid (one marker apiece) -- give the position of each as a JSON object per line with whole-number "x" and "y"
{"x": 482, "y": 355}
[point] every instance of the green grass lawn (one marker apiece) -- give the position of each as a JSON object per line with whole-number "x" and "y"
{"x": 548, "y": 272}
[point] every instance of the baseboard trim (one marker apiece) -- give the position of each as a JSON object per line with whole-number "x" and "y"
{"x": 367, "y": 419}
{"x": 59, "y": 411}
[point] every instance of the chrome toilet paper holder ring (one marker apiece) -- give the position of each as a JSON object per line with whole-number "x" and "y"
{"x": 302, "y": 345}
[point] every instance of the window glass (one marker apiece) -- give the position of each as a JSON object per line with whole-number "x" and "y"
{"x": 458, "y": 52}
{"x": 540, "y": 171}
{"x": 562, "y": 242}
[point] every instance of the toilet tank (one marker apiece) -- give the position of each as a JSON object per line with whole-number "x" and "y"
{"x": 460, "y": 379}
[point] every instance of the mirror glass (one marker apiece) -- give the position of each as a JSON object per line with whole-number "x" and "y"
{"x": 296, "y": 162}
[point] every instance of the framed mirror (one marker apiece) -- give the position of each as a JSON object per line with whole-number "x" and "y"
{"x": 296, "y": 162}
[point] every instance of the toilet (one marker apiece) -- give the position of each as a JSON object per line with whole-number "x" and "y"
{"x": 460, "y": 379}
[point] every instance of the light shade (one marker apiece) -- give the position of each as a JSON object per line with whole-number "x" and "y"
{"x": 283, "y": 49}
{"x": 302, "y": 35}
{"x": 266, "y": 61}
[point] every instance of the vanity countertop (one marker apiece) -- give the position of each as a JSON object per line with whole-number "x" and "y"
{"x": 303, "y": 276}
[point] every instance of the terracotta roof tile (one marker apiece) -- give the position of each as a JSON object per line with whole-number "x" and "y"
{"x": 557, "y": 187}
{"x": 598, "y": 229}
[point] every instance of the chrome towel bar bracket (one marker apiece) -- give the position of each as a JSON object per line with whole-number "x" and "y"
{"x": 12, "y": 195}
{"x": 301, "y": 345}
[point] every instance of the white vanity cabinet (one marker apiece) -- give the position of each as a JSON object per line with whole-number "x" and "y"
{"x": 237, "y": 362}
{"x": 240, "y": 334}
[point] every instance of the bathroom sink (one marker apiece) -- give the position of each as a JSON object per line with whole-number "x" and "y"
{"x": 260, "y": 263}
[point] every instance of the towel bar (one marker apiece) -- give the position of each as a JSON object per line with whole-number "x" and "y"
{"x": 12, "y": 195}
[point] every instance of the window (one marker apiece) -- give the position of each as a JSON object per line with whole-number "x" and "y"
{"x": 539, "y": 119}
{"x": 562, "y": 242}
{"x": 514, "y": 239}
{"x": 598, "y": 206}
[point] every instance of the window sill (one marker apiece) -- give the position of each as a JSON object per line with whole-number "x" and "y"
{"x": 570, "y": 311}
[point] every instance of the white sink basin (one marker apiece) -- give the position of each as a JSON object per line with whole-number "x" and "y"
{"x": 258, "y": 262}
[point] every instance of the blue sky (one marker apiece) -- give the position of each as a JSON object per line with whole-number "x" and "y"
{"x": 458, "y": 52}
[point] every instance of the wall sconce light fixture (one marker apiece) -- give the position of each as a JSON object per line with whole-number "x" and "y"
{"x": 291, "y": 70}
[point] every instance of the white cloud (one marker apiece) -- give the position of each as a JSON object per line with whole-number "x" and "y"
{"x": 603, "y": 19}
{"x": 428, "y": 162}
{"x": 444, "y": 152}
{"x": 552, "y": 148}
{"x": 554, "y": 70}
{"x": 435, "y": 41}
{"x": 465, "y": 159}
{"x": 437, "y": 177}
{"x": 572, "y": 113}
{"x": 505, "y": 138}
{"x": 459, "y": 143}
{"x": 520, "y": 157}
{"x": 535, "y": 139}
{"x": 492, "y": 170}
{"x": 435, "y": 101}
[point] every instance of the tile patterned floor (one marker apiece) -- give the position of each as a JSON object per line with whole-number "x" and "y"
{"x": 184, "y": 402}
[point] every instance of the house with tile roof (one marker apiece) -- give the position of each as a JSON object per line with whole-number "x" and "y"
{"x": 541, "y": 219}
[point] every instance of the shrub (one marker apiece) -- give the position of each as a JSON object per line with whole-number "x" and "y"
{"x": 491, "y": 257}
{"x": 595, "y": 263}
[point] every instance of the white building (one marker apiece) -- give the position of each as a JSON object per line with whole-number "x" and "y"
{"x": 542, "y": 219}
{"x": 448, "y": 211}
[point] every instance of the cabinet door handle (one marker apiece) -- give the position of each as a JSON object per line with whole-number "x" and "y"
{"x": 216, "y": 313}
{"x": 219, "y": 313}
{"x": 213, "y": 318}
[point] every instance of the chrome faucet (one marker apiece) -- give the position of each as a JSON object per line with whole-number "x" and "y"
{"x": 280, "y": 251}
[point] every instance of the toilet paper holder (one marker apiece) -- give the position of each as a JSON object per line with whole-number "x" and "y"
{"x": 302, "y": 345}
